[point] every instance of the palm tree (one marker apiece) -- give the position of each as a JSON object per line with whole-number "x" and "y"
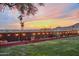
{"x": 23, "y": 8}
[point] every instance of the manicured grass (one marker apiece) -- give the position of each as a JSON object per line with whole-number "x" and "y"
{"x": 63, "y": 47}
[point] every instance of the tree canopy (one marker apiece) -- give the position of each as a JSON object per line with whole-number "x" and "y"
{"x": 23, "y": 8}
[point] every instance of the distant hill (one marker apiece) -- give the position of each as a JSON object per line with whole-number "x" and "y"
{"x": 72, "y": 27}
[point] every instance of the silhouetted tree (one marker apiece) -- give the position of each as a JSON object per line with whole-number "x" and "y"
{"x": 23, "y": 8}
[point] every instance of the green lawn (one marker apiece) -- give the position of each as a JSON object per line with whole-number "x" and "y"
{"x": 67, "y": 46}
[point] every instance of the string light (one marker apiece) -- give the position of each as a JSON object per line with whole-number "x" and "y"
{"x": 47, "y": 33}
{"x": 38, "y": 33}
{"x": 43, "y": 33}
{"x": 0, "y": 35}
{"x": 8, "y": 35}
{"x": 24, "y": 34}
{"x": 34, "y": 34}
{"x": 16, "y": 34}
{"x": 78, "y": 31}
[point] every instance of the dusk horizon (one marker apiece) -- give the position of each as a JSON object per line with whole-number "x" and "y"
{"x": 48, "y": 16}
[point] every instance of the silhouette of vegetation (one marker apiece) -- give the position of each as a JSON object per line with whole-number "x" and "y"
{"x": 23, "y": 8}
{"x": 29, "y": 8}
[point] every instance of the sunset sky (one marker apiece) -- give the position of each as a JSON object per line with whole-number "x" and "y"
{"x": 49, "y": 16}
